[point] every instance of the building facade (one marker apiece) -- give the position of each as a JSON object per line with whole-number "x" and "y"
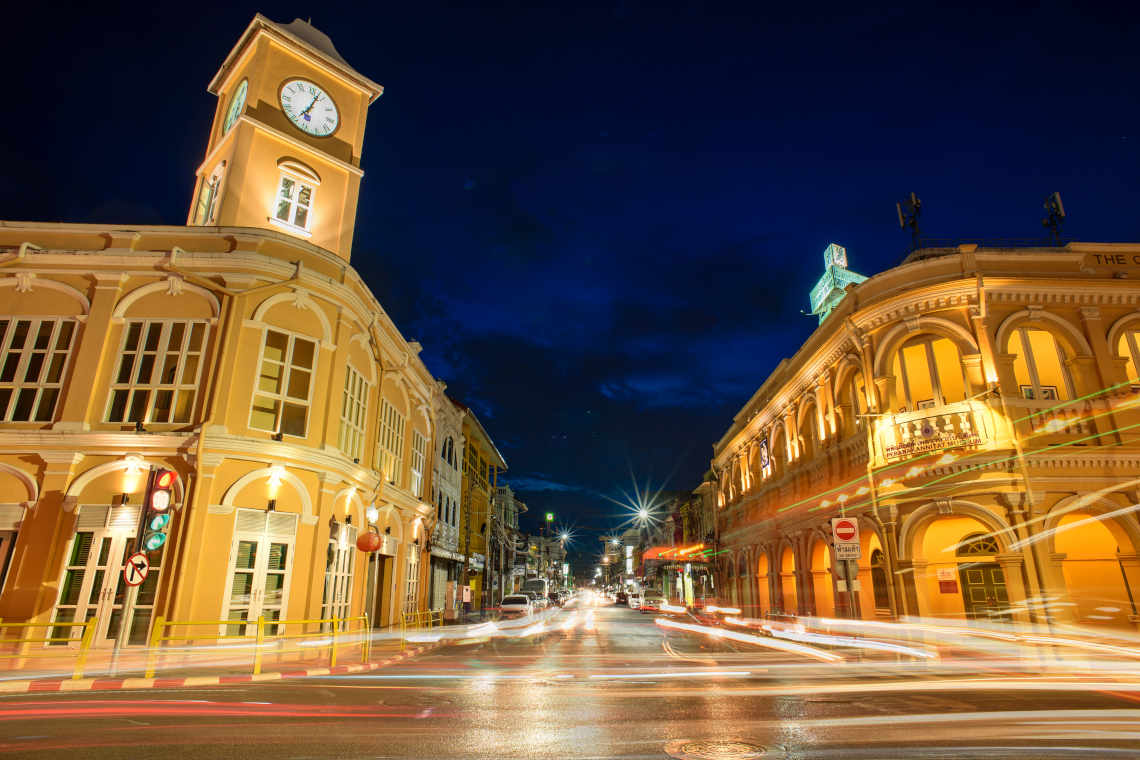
{"x": 482, "y": 464}
{"x": 242, "y": 352}
{"x": 505, "y": 537}
{"x": 447, "y": 492}
{"x": 974, "y": 411}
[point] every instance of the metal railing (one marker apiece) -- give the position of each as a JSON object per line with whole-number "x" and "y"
{"x": 272, "y": 637}
{"x": 23, "y": 644}
{"x": 416, "y": 620}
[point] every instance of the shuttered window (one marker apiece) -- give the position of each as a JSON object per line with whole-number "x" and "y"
{"x": 33, "y": 363}
{"x": 390, "y": 448}
{"x": 157, "y": 376}
{"x": 353, "y": 408}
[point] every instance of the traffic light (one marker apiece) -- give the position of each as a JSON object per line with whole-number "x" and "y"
{"x": 156, "y": 510}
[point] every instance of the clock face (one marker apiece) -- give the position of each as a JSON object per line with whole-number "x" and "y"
{"x": 237, "y": 105}
{"x": 309, "y": 108}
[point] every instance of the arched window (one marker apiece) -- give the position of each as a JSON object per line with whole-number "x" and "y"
{"x": 879, "y": 580}
{"x": 809, "y": 432}
{"x": 928, "y": 372}
{"x": 208, "y": 194}
{"x": 977, "y": 544}
{"x": 1128, "y": 347}
{"x": 1039, "y": 365}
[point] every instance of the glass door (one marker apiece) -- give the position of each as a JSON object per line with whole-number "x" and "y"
{"x": 88, "y": 587}
{"x": 260, "y": 565}
{"x": 275, "y": 582}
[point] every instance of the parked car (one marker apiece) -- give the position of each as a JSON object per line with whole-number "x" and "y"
{"x": 554, "y": 598}
{"x": 634, "y": 601}
{"x": 516, "y": 604}
{"x": 538, "y": 602}
{"x": 652, "y": 603}
{"x": 621, "y": 598}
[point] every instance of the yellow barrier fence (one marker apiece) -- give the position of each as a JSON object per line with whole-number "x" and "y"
{"x": 270, "y": 637}
{"x": 23, "y": 650}
{"x": 416, "y": 621}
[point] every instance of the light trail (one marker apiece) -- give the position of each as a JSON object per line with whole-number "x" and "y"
{"x": 747, "y": 638}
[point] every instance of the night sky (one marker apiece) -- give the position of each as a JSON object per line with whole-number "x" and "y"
{"x": 602, "y": 222}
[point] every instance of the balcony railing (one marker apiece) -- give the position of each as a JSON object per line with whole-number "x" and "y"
{"x": 905, "y": 435}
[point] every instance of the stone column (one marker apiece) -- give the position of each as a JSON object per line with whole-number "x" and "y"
{"x": 907, "y": 587}
{"x": 1053, "y": 570}
{"x": 1012, "y": 568}
{"x": 1130, "y": 566}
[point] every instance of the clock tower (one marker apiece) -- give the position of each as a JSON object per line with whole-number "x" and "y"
{"x": 284, "y": 149}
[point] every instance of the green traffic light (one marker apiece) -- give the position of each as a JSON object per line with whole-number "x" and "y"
{"x": 158, "y": 522}
{"x": 154, "y": 541}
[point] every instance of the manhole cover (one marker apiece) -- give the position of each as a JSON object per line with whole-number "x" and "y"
{"x": 712, "y": 749}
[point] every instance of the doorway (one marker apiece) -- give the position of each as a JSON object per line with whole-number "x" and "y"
{"x": 983, "y": 590}
{"x": 261, "y": 563}
{"x": 379, "y": 570}
{"x": 92, "y": 584}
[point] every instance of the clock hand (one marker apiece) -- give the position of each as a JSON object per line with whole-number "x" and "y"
{"x": 310, "y": 108}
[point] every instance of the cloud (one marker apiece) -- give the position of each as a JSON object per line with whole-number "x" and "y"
{"x": 539, "y": 483}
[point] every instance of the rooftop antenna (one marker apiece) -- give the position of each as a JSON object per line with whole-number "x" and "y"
{"x": 1056, "y": 216}
{"x": 909, "y": 210}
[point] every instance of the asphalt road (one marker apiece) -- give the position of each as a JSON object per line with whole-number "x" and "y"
{"x": 613, "y": 685}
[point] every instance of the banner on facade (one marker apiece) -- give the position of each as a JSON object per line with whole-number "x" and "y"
{"x": 928, "y": 435}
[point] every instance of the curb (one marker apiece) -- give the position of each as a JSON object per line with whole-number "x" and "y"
{"x": 115, "y": 684}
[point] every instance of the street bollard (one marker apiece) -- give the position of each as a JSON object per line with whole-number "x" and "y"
{"x": 258, "y": 645}
{"x": 332, "y": 647}
{"x": 84, "y": 646}
{"x": 155, "y": 641}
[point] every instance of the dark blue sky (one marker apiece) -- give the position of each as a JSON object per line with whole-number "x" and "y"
{"x": 602, "y": 221}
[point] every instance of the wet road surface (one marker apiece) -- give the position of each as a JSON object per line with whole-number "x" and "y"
{"x": 613, "y": 684}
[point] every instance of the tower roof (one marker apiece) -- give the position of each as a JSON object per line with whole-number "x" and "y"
{"x": 304, "y": 35}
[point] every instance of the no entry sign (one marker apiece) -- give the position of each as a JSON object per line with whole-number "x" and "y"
{"x": 136, "y": 569}
{"x": 845, "y": 532}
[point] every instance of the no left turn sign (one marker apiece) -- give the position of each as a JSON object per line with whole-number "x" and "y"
{"x": 134, "y": 572}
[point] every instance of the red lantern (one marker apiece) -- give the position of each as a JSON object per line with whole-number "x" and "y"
{"x": 368, "y": 542}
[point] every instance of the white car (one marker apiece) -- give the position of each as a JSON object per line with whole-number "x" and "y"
{"x": 536, "y": 602}
{"x": 634, "y": 601}
{"x": 516, "y": 604}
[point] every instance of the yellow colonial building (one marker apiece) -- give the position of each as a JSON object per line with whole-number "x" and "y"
{"x": 241, "y": 351}
{"x": 974, "y": 410}
{"x": 482, "y": 464}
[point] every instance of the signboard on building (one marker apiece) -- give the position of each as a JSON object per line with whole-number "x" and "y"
{"x": 845, "y": 535}
{"x": 388, "y": 545}
{"x": 909, "y": 435}
{"x": 947, "y": 583}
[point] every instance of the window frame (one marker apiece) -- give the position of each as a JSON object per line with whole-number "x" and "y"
{"x": 282, "y": 396}
{"x": 396, "y": 433}
{"x": 1133, "y": 348}
{"x": 209, "y": 195}
{"x": 1035, "y": 387}
{"x": 418, "y": 457}
{"x": 152, "y": 388}
{"x": 926, "y": 340}
{"x": 299, "y": 181}
{"x": 14, "y": 389}
{"x": 412, "y": 579}
{"x": 340, "y": 565}
{"x": 353, "y": 414}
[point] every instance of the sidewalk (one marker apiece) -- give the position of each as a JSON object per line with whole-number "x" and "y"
{"x": 173, "y": 678}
